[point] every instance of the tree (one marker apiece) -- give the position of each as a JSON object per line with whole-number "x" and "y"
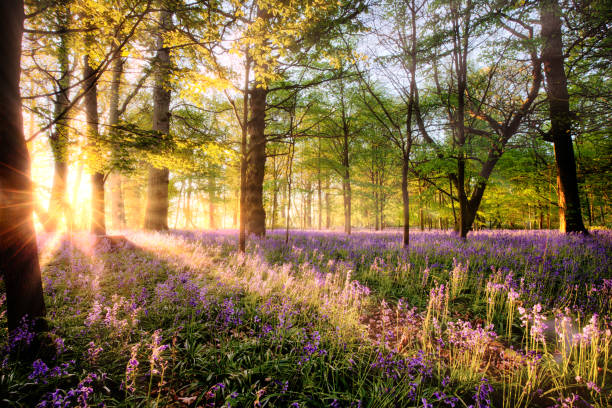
{"x": 480, "y": 123}
{"x": 570, "y": 214}
{"x": 98, "y": 219}
{"x": 18, "y": 249}
{"x": 156, "y": 216}
{"x": 59, "y": 139}
{"x": 117, "y": 204}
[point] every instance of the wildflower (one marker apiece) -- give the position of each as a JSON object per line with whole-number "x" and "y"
{"x": 93, "y": 352}
{"x": 40, "y": 369}
{"x": 131, "y": 369}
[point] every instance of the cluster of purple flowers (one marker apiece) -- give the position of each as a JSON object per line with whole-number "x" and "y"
{"x": 41, "y": 373}
{"x": 74, "y": 397}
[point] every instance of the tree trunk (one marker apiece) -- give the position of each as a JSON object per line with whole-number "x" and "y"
{"x": 117, "y": 205}
{"x": 421, "y": 221}
{"x": 236, "y": 209}
{"x": 405, "y": 203}
{"x": 212, "y": 188}
{"x": 346, "y": 182}
{"x": 18, "y": 250}
{"x": 327, "y": 208}
{"x": 274, "y": 211}
{"x": 156, "y": 216}
{"x": 308, "y": 209}
{"x": 382, "y": 212}
{"x": 570, "y": 215}
{"x": 58, "y": 140}
{"x": 346, "y": 187}
{"x": 98, "y": 222}
{"x": 319, "y": 193}
{"x": 256, "y": 163}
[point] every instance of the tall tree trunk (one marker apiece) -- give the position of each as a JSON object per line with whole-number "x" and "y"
{"x": 421, "y": 221}
{"x": 289, "y": 183}
{"x": 570, "y": 215}
{"x": 308, "y": 203}
{"x": 346, "y": 181}
{"x": 156, "y": 216}
{"x": 319, "y": 193}
{"x": 382, "y": 212}
{"x": 98, "y": 222}
{"x": 58, "y": 140}
{"x": 256, "y": 163}
{"x": 327, "y": 208}
{"x": 117, "y": 205}
{"x": 405, "y": 202}
{"x": 274, "y": 211}
{"x": 452, "y": 201}
{"x": 376, "y": 212}
{"x": 18, "y": 250}
{"x": 212, "y": 189}
{"x": 236, "y": 209}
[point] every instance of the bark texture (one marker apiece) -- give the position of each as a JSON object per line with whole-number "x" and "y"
{"x": 256, "y": 163}
{"x": 18, "y": 250}
{"x": 156, "y": 216}
{"x": 570, "y": 214}
{"x": 98, "y": 222}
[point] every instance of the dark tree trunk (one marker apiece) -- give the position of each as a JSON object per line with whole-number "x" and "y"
{"x": 256, "y": 163}
{"x": 156, "y": 216}
{"x": 327, "y": 208}
{"x": 18, "y": 249}
{"x": 98, "y": 223}
{"x": 570, "y": 215}
{"x": 58, "y": 140}
{"x": 117, "y": 205}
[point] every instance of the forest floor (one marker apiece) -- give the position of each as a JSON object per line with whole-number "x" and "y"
{"x": 504, "y": 319}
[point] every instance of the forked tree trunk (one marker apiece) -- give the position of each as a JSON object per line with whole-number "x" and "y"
{"x": 256, "y": 163}
{"x": 18, "y": 250}
{"x": 156, "y": 216}
{"x": 570, "y": 215}
{"x": 98, "y": 224}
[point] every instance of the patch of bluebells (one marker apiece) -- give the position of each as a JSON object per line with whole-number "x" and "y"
{"x": 41, "y": 372}
{"x": 74, "y": 397}
{"x": 20, "y": 337}
{"x": 311, "y": 347}
{"x": 482, "y": 397}
{"x": 395, "y": 366}
{"x": 230, "y": 315}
